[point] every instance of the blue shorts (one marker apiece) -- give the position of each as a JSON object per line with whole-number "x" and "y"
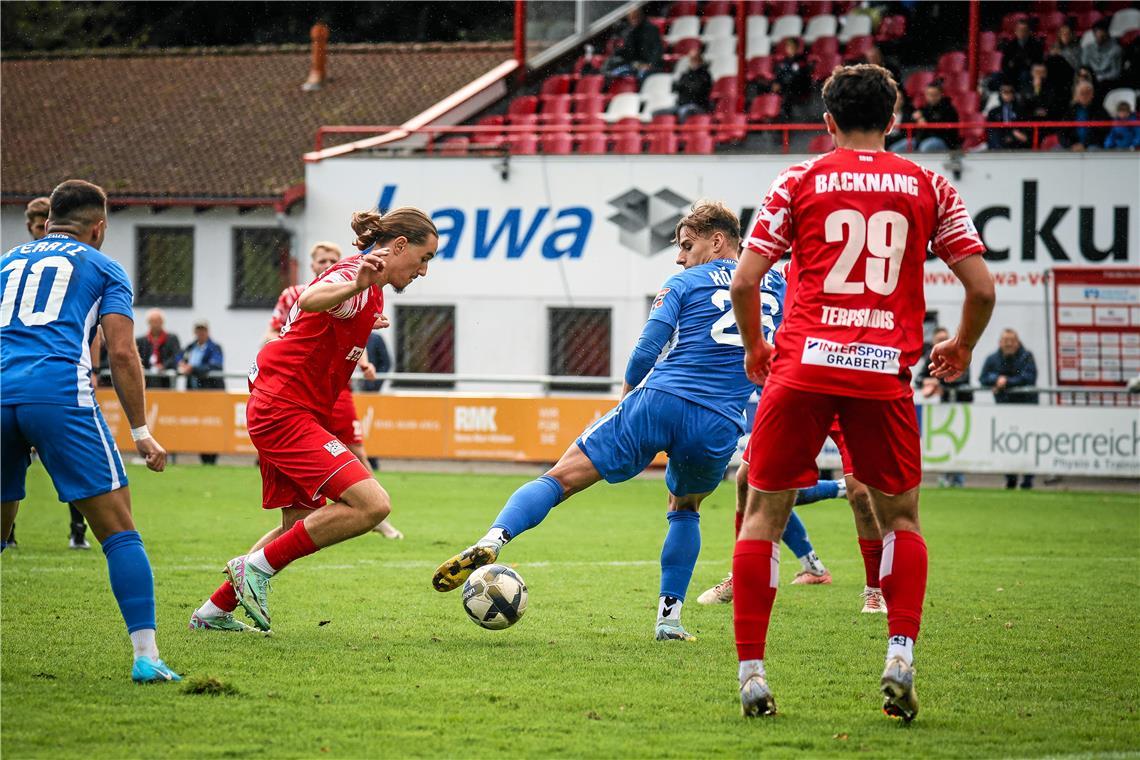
{"x": 74, "y": 443}
{"x": 699, "y": 441}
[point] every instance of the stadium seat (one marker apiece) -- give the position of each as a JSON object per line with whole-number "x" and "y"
{"x": 966, "y": 103}
{"x": 1009, "y": 22}
{"x": 721, "y": 47}
{"x": 556, "y": 143}
{"x": 719, "y": 8}
{"x": 1080, "y": 6}
{"x": 786, "y": 26}
{"x": 760, "y": 69}
{"x": 857, "y": 48}
{"x": 814, "y": 8}
{"x": 1051, "y": 21}
{"x": 627, "y": 124}
{"x": 596, "y": 123}
{"x": 1120, "y": 95}
{"x": 523, "y": 120}
{"x": 987, "y": 41}
{"x": 757, "y": 26}
{"x": 554, "y": 107}
{"x": 627, "y": 143}
{"x": 955, "y": 60}
{"x": 731, "y": 127}
{"x": 821, "y": 144}
{"x": 823, "y": 65}
{"x": 891, "y": 28}
{"x": 855, "y": 25}
{"x": 955, "y": 82}
{"x": 1084, "y": 20}
{"x": 683, "y": 8}
{"x": 1044, "y": 6}
{"x": 684, "y": 47}
{"x": 592, "y": 144}
{"x": 723, "y": 66}
{"x": 624, "y": 106}
{"x": 698, "y": 143}
{"x": 820, "y": 26}
{"x": 827, "y": 46}
{"x": 559, "y": 84}
{"x": 593, "y": 63}
{"x": 974, "y": 134}
{"x": 717, "y": 27}
{"x": 524, "y": 105}
{"x": 1129, "y": 37}
{"x": 1124, "y": 21}
{"x": 655, "y": 84}
{"x": 682, "y": 27}
{"x": 591, "y": 84}
{"x": 490, "y": 139}
{"x": 663, "y": 142}
{"x": 757, "y": 46}
{"x": 623, "y": 85}
{"x": 453, "y": 146}
{"x": 724, "y": 89}
{"x": 783, "y": 7}
{"x": 588, "y": 106}
{"x": 524, "y": 144}
{"x": 765, "y": 108}
{"x": 916, "y": 83}
{"x": 989, "y": 62}
{"x": 658, "y": 102}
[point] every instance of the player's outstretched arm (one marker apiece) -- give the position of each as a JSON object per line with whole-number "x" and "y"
{"x": 950, "y": 358}
{"x": 746, "y": 305}
{"x": 127, "y": 377}
{"x": 329, "y": 294}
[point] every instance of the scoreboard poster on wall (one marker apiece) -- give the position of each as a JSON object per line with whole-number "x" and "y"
{"x": 1096, "y": 331}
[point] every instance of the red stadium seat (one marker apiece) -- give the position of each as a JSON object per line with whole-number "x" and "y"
{"x": 699, "y": 143}
{"x": 593, "y": 144}
{"x": 1009, "y": 21}
{"x": 989, "y": 62}
{"x": 821, "y": 144}
{"x": 594, "y": 63}
{"x": 665, "y": 120}
{"x": 823, "y": 66}
{"x": 813, "y": 8}
{"x": 843, "y": 7}
{"x": 453, "y": 146}
{"x": 891, "y": 28}
{"x": 764, "y": 108}
{"x": 760, "y": 68}
{"x": 1051, "y": 21}
{"x": 663, "y": 142}
{"x": 987, "y": 41}
{"x": 559, "y": 84}
{"x": 682, "y": 8}
{"x": 966, "y": 103}
{"x": 777, "y": 8}
{"x": 661, "y": 23}
{"x": 683, "y": 47}
{"x": 523, "y": 144}
{"x": 553, "y": 107}
{"x": 557, "y": 143}
{"x": 1085, "y": 20}
{"x": 698, "y": 120}
{"x": 1128, "y": 37}
{"x": 1044, "y": 6}
{"x": 622, "y": 84}
{"x": 489, "y": 139}
{"x": 955, "y": 60}
{"x": 954, "y": 82}
{"x": 588, "y": 106}
{"x": 627, "y": 125}
{"x": 974, "y": 134}
{"x": 724, "y": 89}
{"x": 591, "y": 84}
{"x": 627, "y": 142}
{"x": 718, "y": 8}
{"x": 731, "y": 127}
{"x": 594, "y": 123}
{"x": 857, "y": 48}
{"x": 522, "y": 106}
{"x": 827, "y": 46}
{"x": 755, "y": 7}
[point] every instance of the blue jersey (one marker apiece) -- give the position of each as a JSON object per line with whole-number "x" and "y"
{"x": 704, "y": 360}
{"x": 54, "y": 292}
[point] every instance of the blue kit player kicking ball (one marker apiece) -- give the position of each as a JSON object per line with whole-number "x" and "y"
{"x": 688, "y": 403}
{"x": 54, "y": 292}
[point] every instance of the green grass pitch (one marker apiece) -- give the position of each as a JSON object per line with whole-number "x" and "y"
{"x": 1029, "y": 643}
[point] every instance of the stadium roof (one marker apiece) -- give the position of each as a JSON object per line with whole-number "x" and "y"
{"x": 207, "y": 126}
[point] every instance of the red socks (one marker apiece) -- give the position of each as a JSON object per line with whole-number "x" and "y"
{"x": 739, "y": 522}
{"x": 755, "y": 572}
{"x": 225, "y": 597}
{"x": 290, "y": 545}
{"x": 903, "y": 579}
{"x": 872, "y": 552}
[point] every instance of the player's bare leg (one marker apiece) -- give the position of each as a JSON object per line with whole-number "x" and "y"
{"x": 527, "y": 507}
{"x": 384, "y": 527}
{"x": 359, "y": 507}
{"x": 755, "y": 568}
{"x": 677, "y": 560}
{"x": 8, "y": 510}
{"x": 132, "y": 581}
{"x": 903, "y": 579}
{"x": 870, "y": 543}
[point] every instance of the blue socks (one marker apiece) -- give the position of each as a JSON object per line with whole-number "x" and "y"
{"x": 824, "y": 489}
{"x": 131, "y": 580}
{"x": 679, "y": 553}
{"x": 528, "y": 506}
{"x": 796, "y": 537}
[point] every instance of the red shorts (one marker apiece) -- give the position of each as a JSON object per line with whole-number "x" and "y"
{"x": 342, "y": 419}
{"x": 791, "y": 425}
{"x": 836, "y": 436}
{"x": 301, "y": 462}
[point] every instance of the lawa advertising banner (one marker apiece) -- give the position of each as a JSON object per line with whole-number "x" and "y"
{"x": 1048, "y": 440}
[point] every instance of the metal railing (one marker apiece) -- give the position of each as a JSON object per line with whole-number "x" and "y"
{"x": 432, "y": 134}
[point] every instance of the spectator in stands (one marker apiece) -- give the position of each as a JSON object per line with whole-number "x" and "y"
{"x": 792, "y": 76}
{"x": 693, "y": 87}
{"x": 1084, "y": 108}
{"x": 200, "y": 358}
{"x": 1043, "y": 98}
{"x": 1124, "y": 137}
{"x": 937, "y": 108}
{"x": 1066, "y": 47}
{"x": 1011, "y": 366}
{"x": 1105, "y": 58}
{"x": 949, "y": 392}
{"x": 158, "y": 349}
{"x": 1019, "y": 53}
{"x": 640, "y": 52}
{"x": 381, "y": 361}
{"x": 1006, "y": 111}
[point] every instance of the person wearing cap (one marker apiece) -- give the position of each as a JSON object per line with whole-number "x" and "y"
{"x": 202, "y": 357}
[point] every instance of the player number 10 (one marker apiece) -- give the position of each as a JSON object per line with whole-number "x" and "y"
{"x": 883, "y": 234}
{"x": 28, "y": 314}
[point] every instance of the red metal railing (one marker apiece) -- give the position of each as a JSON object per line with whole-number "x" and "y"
{"x": 434, "y": 133}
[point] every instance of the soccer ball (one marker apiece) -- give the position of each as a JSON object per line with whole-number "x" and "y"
{"x": 494, "y": 597}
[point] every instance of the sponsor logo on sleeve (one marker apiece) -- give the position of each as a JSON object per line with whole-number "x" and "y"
{"x": 660, "y": 299}
{"x": 335, "y": 448}
{"x": 861, "y": 357}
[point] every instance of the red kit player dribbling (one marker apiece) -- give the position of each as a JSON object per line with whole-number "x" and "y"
{"x": 293, "y": 388}
{"x": 858, "y": 221}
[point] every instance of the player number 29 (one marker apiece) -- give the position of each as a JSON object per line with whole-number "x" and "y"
{"x": 54, "y": 302}
{"x": 883, "y": 234}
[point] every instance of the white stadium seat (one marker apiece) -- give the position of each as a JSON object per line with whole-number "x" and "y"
{"x": 721, "y": 46}
{"x": 682, "y": 28}
{"x": 722, "y": 66}
{"x": 1124, "y": 21}
{"x": 623, "y": 106}
{"x": 1088, "y": 39}
{"x": 854, "y": 25}
{"x": 758, "y": 46}
{"x": 786, "y": 26}
{"x": 658, "y": 102}
{"x": 820, "y": 26}
{"x": 718, "y": 26}
{"x": 1119, "y": 95}
{"x": 656, "y": 84}
{"x": 757, "y": 26}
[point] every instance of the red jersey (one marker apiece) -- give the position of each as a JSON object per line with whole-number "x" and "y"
{"x": 858, "y": 224}
{"x": 318, "y": 351}
{"x": 284, "y": 305}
